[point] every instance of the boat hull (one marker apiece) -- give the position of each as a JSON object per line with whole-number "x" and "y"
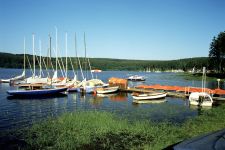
{"x": 149, "y": 96}
{"x": 200, "y": 99}
{"x": 107, "y": 90}
{"x": 136, "y": 78}
{"x": 72, "y": 89}
{"x": 87, "y": 89}
{"x": 155, "y": 101}
{"x": 20, "y": 77}
{"x": 41, "y": 92}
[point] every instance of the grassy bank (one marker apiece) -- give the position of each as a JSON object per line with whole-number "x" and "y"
{"x": 102, "y": 130}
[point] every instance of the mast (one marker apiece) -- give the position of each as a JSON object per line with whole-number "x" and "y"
{"x": 24, "y": 55}
{"x": 40, "y": 58}
{"x": 49, "y": 52}
{"x": 78, "y": 58}
{"x": 33, "y": 57}
{"x": 87, "y": 59}
{"x": 56, "y": 47}
{"x": 66, "y": 57}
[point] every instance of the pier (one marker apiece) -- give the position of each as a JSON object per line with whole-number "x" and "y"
{"x": 178, "y": 94}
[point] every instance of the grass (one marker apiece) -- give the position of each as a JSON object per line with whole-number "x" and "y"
{"x": 103, "y": 130}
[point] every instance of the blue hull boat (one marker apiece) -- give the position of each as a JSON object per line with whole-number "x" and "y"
{"x": 41, "y": 92}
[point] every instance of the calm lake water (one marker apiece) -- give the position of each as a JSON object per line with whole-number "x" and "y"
{"x": 18, "y": 113}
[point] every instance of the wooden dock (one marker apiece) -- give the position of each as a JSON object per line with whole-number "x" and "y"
{"x": 169, "y": 94}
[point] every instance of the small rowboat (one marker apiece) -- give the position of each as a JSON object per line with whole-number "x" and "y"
{"x": 41, "y": 92}
{"x": 155, "y": 101}
{"x": 149, "y": 96}
{"x": 106, "y": 90}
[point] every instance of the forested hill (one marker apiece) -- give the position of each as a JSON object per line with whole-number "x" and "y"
{"x": 8, "y": 60}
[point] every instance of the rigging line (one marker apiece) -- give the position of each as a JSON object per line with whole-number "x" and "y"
{"x": 90, "y": 68}
{"x": 39, "y": 65}
{"x": 29, "y": 64}
{"x": 52, "y": 65}
{"x": 72, "y": 66}
{"x": 78, "y": 59}
{"x": 46, "y": 67}
{"x": 59, "y": 64}
{"x": 63, "y": 66}
{"x": 85, "y": 47}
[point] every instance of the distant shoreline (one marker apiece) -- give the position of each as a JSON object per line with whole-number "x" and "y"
{"x": 8, "y": 60}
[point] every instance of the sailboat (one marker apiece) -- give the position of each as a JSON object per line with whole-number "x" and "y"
{"x": 201, "y": 98}
{"x": 88, "y": 86}
{"x": 40, "y": 92}
{"x": 36, "y": 79}
{"x": 19, "y": 77}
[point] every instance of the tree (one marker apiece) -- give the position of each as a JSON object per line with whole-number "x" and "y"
{"x": 217, "y": 53}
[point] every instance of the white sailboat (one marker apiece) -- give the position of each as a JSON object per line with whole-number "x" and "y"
{"x": 88, "y": 86}
{"x": 19, "y": 77}
{"x": 201, "y": 98}
{"x": 36, "y": 79}
{"x": 22, "y": 76}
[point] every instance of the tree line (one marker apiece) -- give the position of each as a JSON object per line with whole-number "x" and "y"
{"x": 8, "y": 60}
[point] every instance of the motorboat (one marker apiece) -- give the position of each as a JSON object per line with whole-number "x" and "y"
{"x": 136, "y": 78}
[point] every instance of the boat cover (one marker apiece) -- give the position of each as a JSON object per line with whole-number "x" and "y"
{"x": 210, "y": 141}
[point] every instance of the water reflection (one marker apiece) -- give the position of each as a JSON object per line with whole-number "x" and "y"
{"x": 59, "y": 95}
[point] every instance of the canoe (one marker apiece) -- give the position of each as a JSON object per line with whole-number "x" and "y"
{"x": 41, "y": 92}
{"x": 105, "y": 90}
{"x": 149, "y": 96}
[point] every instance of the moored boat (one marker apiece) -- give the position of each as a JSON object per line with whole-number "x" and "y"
{"x": 96, "y": 70}
{"x": 149, "y": 96}
{"x": 200, "y": 99}
{"x": 105, "y": 90}
{"x": 136, "y": 78}
{"x": 20, "y": 77}
{"x": 155, "y": 101}
{"x": 40, "y": 92}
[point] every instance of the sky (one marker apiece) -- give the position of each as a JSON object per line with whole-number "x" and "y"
{"x": 124, "y": 29}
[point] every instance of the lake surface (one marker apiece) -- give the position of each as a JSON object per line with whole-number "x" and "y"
{"x": 18, "y": 113}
